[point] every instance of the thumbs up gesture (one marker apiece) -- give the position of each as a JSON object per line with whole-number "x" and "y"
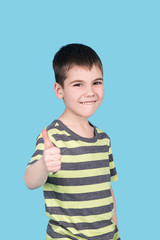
{"x": 51, "y": 154}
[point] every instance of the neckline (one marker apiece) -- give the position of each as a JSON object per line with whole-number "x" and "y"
{"x": 75, "y": 135}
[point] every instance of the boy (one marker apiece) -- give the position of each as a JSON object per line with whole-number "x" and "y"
{"x": 73, "y": 159}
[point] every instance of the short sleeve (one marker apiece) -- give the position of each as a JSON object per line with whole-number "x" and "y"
{"x": 112, "y": 167}
{"x": 38, "y": 150}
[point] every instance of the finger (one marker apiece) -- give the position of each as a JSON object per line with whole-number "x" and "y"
{"x": 57, "y": 163}
{"x": 52, "y": 150}
{"x": 54, "y": 170}
{"x": 54, "y": 167}
{"x": 52, "y": 158}
{"x": 47, "y": 142}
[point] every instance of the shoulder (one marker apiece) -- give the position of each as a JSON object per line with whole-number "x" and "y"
{"x": 103, "y": 135}
{"x": 101, "y": 132}
{"x": 53, "y": 129}
{"x": 53, "y": 126}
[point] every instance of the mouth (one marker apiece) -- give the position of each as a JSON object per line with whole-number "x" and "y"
{"x": 88, "y": 102}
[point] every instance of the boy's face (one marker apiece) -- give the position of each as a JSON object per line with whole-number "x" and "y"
{"x": 83, "y": 91}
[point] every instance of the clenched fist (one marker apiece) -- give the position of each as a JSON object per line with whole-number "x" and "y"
{"x": 51, "y": 154}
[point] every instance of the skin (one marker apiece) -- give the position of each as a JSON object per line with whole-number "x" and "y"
{"x": 36, "y": 175}
{"x": 82, "y": 93}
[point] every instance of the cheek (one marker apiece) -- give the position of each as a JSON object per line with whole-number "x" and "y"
{"x": 70, "y": 97}
{"x": 101, "y": 93}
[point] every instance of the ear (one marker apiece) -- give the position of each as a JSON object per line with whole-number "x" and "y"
{"x": 58, "y": 90}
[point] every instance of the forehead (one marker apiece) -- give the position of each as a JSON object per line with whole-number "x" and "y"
{"x": 84, "y": 73}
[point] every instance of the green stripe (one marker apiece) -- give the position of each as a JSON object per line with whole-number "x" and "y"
{"x": 78, "y": 189}
{"x": 78, "y": 204}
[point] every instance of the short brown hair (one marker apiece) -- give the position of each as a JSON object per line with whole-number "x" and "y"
{"x": 71, "y": 55}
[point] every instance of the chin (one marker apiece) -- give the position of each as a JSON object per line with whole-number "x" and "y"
{"x": 87, "y": 115}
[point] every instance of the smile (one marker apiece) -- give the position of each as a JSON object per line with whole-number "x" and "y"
{"x": 88, "y": 102}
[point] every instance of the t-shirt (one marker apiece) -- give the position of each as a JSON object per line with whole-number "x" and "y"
{"x": 78, "y": 198}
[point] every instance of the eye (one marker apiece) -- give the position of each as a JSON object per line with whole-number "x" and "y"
{"x": 77, "y": 85}
{"x": 97, "y": 83}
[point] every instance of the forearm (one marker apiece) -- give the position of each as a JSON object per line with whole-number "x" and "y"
{"x": 36, "y": 175}
{"x": 114, "y": 218}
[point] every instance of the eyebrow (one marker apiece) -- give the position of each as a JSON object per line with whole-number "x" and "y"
{"x": 96, "y": 79}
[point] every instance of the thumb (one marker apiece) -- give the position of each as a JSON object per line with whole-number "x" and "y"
{"x": 47, "y": 141}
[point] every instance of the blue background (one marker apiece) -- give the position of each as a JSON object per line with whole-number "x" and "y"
{"x": 126, "y": 36}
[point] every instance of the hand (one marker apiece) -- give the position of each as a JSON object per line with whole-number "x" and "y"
{"x": 51, "y": 154}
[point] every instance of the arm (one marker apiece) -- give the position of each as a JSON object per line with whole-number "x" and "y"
{"x": 37, "y": 173}
{"x": 114, "y": 218}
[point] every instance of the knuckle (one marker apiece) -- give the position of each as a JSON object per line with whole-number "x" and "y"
{"x": 57, "y": 150}
{"x": 59, "y": 165}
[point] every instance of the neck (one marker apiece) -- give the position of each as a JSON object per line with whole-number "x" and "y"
{"x": 72, "y": 120}
{"x": 77, "y": 124}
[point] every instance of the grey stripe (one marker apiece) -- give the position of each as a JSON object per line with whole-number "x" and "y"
{"x": 110, "y": 158}
{"x": 78, "y": 196}
{"x": 40, "y": 140}
{"x": 30, "y": 163}
{"x": 109, "y": 235}
{"x": 84, "y": 149}
{"x": 113, "y": 172}
{"x": 65, "y": 138}
{"x": 37, "y": 152}
{"x": 80, "y": 212}
{"x": 78, "y": 181}
{"x": 83, "y": 225}
{"x": 85, "y": 165}
{"x": 55, "y": 235}
{"x": 78, "y": 150}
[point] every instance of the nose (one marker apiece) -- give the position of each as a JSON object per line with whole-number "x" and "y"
{"x": 89, "y": 91}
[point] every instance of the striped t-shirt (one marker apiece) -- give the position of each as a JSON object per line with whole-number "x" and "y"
{"x": 78, "y": 198}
